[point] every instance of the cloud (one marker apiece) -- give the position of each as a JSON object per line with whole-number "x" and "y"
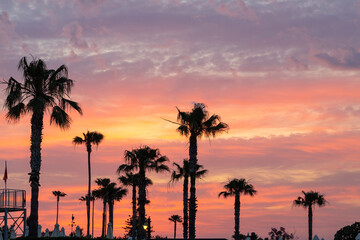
{"x": 344, "y": 58}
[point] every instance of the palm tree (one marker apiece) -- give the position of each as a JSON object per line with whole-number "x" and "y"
{"x": 309, "y": 200}
{"x": 194, "y": 125}
{"x": 143, "y": 159}
{"x": 132, "y": 180}
{"x": 101, "y": 193}
{"x": 236, "y": 187}
{"x": 90, "y": 139}
{"x": 43, "y": 90}
{"x": 114, "y": 193}
{"x": 177, "y": 175}
{"x": 175, "y": 219}
{"x": 92, "y": 199}
{"x": 58, "y": 194}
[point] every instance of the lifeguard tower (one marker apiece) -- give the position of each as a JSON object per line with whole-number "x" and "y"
{"x": 13, "y": 210}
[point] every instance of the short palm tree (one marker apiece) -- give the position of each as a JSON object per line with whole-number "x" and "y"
{"x": 175, "y": 219}
{"x": 310, "y": 200}
{"x": 92, "y": 199}
{"x": 101, "y": 193}
{"x": 143, "y": 159}
{"x": 43, "y": 90}
{"x": 90, "y": 139}
{"x": 177, "y": 175}
{"x": 58, "y": 194}
{"x": 130, "y": 179}
{"x": 195, "y": 124}
{"x": 236, "y": 187}
{"x": 114, "y": 193}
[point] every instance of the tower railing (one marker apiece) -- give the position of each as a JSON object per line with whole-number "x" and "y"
{"x": 12, "y": 199}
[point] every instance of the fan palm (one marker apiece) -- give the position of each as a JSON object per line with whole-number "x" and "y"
{"x": 175, "y": 219}
{"x": 43, "y": 90}
{"x": 236, "y": 187}
{"x": 143, "y": 159}
{"x": 90, "y": 139}
{"x": 310, "y": 200}
{"x": 194, "y": 125}
{"x": 132, "y": 180}
{"x": 101, "y": 193}
{"x": 92, "y": 199}
{"x": 177, "y": 175}
{"x": 114, "y": 193}
{"x": 58, "y": 194}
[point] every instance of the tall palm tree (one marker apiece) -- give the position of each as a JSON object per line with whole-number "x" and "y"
{"x": 177, "y": 175}
{"x": 101, "y": 193}
{"x": 92, "y": 199}
{"x": 236, "y": 187}
{"x": 43, "y": 90}
{"x": 143, "y": 159}
{"x": 90, "y": 139}
{"x": 194, "y": 125}
{"x": 130, "y": 179}
{"x": 58, "y": 194}
{"x": 114, "y": 193}
{"x": 175, "y": 219}
{"x": 310, "y": 200}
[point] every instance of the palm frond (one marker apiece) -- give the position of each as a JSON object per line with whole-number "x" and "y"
{"x": 60, "y": 118}
{"x": 16, "y": 112}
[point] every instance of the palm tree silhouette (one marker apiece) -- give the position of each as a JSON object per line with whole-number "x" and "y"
{"x": 101, "y": 193}
{"x": 309, "y": 200}
{"x": 143, "y": 159}
{"x": 177, "y": 175}
{"x": 194, "y": 125}
{"x": 92, "y": 199}
{"x": 114, "y": 193}
{"x": 58, "y": 194}
{"x": 236, "y": 187}
{"x": 132, "y": 180}
{"x": 175, "y": 219}
{"x": 90, "y": 139}
{"x": 43, "y": 90}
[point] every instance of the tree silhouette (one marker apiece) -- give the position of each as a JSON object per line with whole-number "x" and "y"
{"x": 43, "y": 90}
{"x": 236, "y": 187}
{"x": 101, "y": 193}
{"x": 143, "y": 159}
{"x": 175, "y": 219}
{"x": 92, "y": 199}
{"x": 194, "y": 125}
{"x": 310, "y": 200}
{"x": 114, "y": 193}
{"x": 90, "y": 139}
{"x": 177, "y": 175}
{"x": 132, "y": 180}
{"x": 58, "y": 194}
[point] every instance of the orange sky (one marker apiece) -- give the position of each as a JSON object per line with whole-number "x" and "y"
{"x": 284, "y": 77}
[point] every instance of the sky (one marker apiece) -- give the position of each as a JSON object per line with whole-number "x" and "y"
{"x": 283, "y": 74}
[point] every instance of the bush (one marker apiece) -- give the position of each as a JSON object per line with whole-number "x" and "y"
{"x": 348, "y": 232}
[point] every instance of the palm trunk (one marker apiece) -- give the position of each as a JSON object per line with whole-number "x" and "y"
{"x": 310, "y": 215}
{"x": 142, "y": 201}
{"x": 35, "y": 164}
{"x": 103, "y": 230}
{"x": 57, "y": 209}
{"x": 174, "y": 229}
{"x": 237, "y": 216}
{"x": 88, "y": 147}
{"x": 192, "y": 203}
{"x": 185, "y": 206}
{"x": 111, "y": 212}
{"x": 93, "y": 212}
{"x": 133, "y": 233}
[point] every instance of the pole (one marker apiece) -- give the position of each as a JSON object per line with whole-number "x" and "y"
{"x": 6, "y": 209}
{"x": 149, "y": 228}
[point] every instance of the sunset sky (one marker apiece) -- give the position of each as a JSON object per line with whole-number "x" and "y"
{"x": 283, "y": 74}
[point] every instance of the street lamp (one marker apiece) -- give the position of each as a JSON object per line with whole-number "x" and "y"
{"x": 147, "y": 227}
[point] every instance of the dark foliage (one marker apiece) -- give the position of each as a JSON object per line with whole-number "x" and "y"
{"x": 348, "y": 232}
